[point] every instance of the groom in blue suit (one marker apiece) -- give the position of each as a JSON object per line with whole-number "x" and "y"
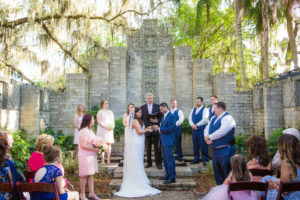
{"x": 167, "y": 137}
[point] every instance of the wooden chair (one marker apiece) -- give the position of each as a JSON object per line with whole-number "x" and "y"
{"x": 7, "y": 187}
{"x": 261, "y": 172}
{"x": 29, "y": 175}
{"x": 38, "y": 187}
{"x": 248, "y": 185}
{"x": 287, "y": 187}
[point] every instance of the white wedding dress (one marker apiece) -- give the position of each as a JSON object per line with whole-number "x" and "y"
{"x": 135, "y": 181}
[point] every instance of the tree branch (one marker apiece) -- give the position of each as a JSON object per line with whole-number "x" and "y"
{"x": 63, "y": 48}
{"x": 14, "y": 23}
{"x": 17, "y": 70}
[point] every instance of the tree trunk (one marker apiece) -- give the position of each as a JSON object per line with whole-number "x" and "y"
{"x": 265, "y": 47}
{"x": 238, "y": 12}
{"x": 292, "y": 40}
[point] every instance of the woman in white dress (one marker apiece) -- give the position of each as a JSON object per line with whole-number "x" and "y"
{"x": 77, "y": 121}
{"x": 135, "y": 181}
{"x": 130, "y": 108}
{"x": 105, "y": 129}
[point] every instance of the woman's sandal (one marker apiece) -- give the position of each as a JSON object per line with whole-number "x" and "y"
{"x": 93, "y": 196}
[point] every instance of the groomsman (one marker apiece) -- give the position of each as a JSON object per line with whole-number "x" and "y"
{"x": 179, "y": 117}
{"x": 220, "y": 134}
{"x": 167, "y": 138}
{"x": 151, "y": 108}
{"x": 198, "y": 119}
{"x": 213, "y": 100}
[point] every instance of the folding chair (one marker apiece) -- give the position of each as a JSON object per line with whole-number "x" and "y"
{"x": 248, "y": 185}
{"x": 287, "y": 187}
{"x": 261, "y": 172}
{"x": 7, "y": 187}
{"x": 38, "y": 187}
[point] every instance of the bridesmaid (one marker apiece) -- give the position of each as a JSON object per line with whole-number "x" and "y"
{"x": 87, "y": 157}
{"x": 106, "y": 124}
{"x": 77, "y": 121}
{"x": 130, "y": 107}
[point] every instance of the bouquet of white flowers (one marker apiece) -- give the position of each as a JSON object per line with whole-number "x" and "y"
{"x": 109, "y": 124}
{"x": 99, "y": 143}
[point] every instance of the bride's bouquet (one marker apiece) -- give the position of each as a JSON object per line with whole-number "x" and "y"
{"x": 99, "y": 143}
{"x": 109, "y": 124}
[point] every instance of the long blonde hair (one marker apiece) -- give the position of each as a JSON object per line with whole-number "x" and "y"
{"x": 78, "y": 109}
{"x": 239, "y": 168}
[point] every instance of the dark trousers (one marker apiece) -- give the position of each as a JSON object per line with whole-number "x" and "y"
{"x": 157, "y": 148}
{"x": 199, "y": 143}
{"x": 169, "y": 162}
{"x": 221, "y": 163}
{"x": 178, "y": 138}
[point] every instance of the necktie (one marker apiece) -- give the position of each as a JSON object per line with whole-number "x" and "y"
{"x": 150, "y": 108}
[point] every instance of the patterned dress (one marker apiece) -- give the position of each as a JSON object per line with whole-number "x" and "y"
{"x": 52, "y": 172}
{"x": 4, "y": 178}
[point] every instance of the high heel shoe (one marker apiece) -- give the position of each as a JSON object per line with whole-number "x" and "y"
{"x": 82, "y": 197}
{"x": 93, "y": 196}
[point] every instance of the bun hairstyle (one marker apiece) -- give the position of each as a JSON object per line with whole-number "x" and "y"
{"x": 43, "y": 140}
{"x": 3, "y": 151}
{"x": 51, "y": 153}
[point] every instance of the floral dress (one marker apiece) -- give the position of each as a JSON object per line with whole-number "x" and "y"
{"x": 4, "y": 178}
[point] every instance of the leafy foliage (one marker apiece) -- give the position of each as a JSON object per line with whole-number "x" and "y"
{"x": 186, "y": 128}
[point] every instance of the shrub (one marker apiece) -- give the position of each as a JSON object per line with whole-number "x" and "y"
{"x": 186, "y": 129}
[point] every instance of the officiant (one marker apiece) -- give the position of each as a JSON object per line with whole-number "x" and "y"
{"x": 152, "y": 108}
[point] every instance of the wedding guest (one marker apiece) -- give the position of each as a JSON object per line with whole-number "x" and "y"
{"x": 239, "y": 173}
{"x": 105, "y": 129}
{"x": 213, "y": 100}
{"x": 289, "y": 150}
{"x": 198, "y": 119}
{"x": 87, "y": 156}
{"x": 6, "y": 135}
{"x": 152, "y": 108}
{"x": 130, "y": 107}
{"x": 179, "y": 117}
{"x": 36, "y": 160}
{"x": 259, "y": 157}
{"x": 50, "y": 173}
{"x": 220, "y": 134}
{"x": 276, "y": 160}
{"x": 77, "y": 121}
{"x": 8, "y": 171}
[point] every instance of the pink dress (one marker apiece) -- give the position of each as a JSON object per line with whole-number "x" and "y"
{"x": 107, "y": 118}
{"x": 87, "y": 160}
{"x": 79, "y": 120}
{"x": 36, "y": 161}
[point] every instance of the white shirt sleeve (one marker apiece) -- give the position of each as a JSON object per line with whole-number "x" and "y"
{"x": 205, "y": 116}
{"x": 227, "y": 124}
{"x": 190, "y": 118}
{"x": 181, "y": 118}
{"x": 206, "y": 129}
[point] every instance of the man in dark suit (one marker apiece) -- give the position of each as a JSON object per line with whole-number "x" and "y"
{"x": 167, "y": 131}
{"x": 151, "y": 108}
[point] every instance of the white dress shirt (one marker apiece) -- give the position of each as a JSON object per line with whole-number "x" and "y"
{"x": 204, "y": 120}
{"x": 227, "y": 124}
{"x": 180, "y": 115}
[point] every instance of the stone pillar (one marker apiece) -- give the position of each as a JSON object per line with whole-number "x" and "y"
{"x": 225, "y": 86}
{"x": 134, "y": 78}
{"x": 166, "y": 76}
{"x": 117, "y": 81}
{"x": 98, "y": 81}
{"x": 202, "y": 79}
{"x": 273, "y": 109}
{"x": 258, "y": 110}
{"x": 184, "y": 78}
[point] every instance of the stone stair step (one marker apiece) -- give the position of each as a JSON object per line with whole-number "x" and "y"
{"x": 177, "y": 163}
{"x": 113, "y": 159}
{"x": 109, "y": 168}
{"x": 181, "y": 184}
{"x": 154, "y": 172}
{"x": 196, "y": 168}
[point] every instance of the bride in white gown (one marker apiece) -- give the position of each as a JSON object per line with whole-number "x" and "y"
{"x": 135, "y": 181}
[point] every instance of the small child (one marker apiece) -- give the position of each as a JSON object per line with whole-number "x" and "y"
{"x": 239, "y": 173}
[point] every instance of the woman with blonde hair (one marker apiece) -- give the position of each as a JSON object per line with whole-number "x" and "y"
{"x": 77, "y": 121}
{"x": 105, "y": 129}
{"x": 130, "y": 108}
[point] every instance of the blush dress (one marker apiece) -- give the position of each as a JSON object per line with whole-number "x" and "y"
{"x": 79, "y": 120}
{"x": 106, "y": 117}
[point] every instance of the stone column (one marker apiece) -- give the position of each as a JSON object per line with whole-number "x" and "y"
{"x": 184, "y": 78}
{"x": 202, "y": 79}
{"x": 117, "y": 81}
{"x": 98, "y": 81}
{"x": 273, "y": 110}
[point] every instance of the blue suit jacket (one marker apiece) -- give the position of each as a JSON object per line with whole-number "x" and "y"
{"x": 167, "y": 130}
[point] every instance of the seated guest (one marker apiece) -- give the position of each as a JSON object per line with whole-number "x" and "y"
{"x": 276, "y": 160}
{"x": 50, "y": 173}
{"x": 289, "y": 150}
{"x": 259, "y": 157}
{"x": 10, "y": 140}
{"x": 36, "y": 160}
{"x": 239, "y": 173}
{"x": 8, "y": 171}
